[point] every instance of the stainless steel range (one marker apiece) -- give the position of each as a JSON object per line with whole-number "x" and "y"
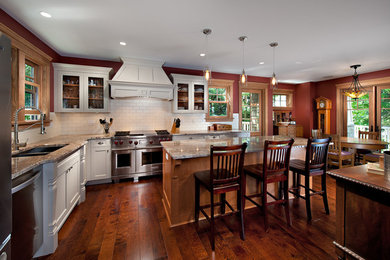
{"x": 137, "y": 154}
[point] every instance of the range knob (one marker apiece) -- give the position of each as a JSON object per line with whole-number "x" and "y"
{"x": 135, "y": 142}
{"x": 116, "y": 142}
{"x": 130, "y": 142}
{"x": 120, "y": 142}
{"x": 151, "y": 141}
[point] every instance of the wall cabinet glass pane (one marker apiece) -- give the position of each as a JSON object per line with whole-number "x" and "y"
{"x": 70, "y": 91}
{"x": 190, "y": 94}
{"x": 183, "y": 96}
{"x": 95, "y": 93}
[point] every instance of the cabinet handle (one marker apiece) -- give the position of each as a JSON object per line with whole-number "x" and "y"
{"x": 100, "y": 142}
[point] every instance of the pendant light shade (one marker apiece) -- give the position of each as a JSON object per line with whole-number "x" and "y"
{"x": 243, "y": 76}
{"x": 356, "y": 90}
{"x": 206, "y": 71}
{"x": 274, "y": 81}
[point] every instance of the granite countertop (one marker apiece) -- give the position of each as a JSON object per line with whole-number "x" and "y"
{"x": 20, "y": 165}
{"x": 185, "y": 149}
{"x": 208, "y": 132}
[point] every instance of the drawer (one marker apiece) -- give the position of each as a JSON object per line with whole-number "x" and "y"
{"x": 100, "y": 143}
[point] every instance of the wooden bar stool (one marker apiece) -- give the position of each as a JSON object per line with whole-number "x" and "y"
{"x": 226, "y": 176}
{"x": 274, "y": 168}
{"x": 314, "y": 164}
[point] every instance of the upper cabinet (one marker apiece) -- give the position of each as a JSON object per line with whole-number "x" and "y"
{"x": 80, "y": 88}
{"x": 190, "y": 94}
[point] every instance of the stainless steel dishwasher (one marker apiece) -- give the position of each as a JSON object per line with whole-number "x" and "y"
{"x": 27, "y": 214}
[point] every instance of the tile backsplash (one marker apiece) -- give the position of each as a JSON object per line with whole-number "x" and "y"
{"x": 128, "y": 114}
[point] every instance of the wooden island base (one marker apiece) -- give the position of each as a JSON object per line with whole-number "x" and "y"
{"x": 179, "y": 185}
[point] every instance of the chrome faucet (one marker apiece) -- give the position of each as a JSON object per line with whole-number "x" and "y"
{"x": 16, "y": 126}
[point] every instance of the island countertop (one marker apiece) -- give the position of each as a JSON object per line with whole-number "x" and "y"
{"x": 196, "y": 148}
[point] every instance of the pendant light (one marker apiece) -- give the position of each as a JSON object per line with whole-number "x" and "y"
{"x": 243, "y": 76}
{"x": 206, "y": 71}
{"x": 356, "y": 90}
{"x": 274, "y": 81}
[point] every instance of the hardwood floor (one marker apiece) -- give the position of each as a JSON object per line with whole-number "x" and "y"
{"x": 127, "y": 221}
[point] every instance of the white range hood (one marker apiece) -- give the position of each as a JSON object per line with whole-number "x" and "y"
{"x": 141, "y": 78}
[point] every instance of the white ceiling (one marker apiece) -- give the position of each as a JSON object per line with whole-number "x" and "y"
{"x": 318, "y": 39}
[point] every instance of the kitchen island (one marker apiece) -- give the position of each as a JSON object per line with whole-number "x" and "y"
{"x": 182, "y": 158}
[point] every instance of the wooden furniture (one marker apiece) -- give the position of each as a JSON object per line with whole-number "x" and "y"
{"x": 80, "y": 88}
{"x": 314, "y": 165}
{"x": 316, "y": 133}
{"x": 324, "y": 105}
{"x": 357, "y": 143}
{"x": 371, "y": 157}
{"x": 226, "y": 176}
{"x": 287, "y": 130}
{"x": 365, "y": 135}
{"x": 362, "y": 214}
{"x": 274, "y": 169}
{"x": 337, "y": 155}
{"x": 190, "y": 94}
{"x": 181, "y": 158}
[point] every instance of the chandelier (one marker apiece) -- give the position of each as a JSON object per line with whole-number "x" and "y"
{"x": 356, "y": 90}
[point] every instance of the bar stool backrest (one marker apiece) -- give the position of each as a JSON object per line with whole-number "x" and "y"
{"x": 317, "y": 154}
{"x": 277, "y": 156}
{"x": 229, "y": 163}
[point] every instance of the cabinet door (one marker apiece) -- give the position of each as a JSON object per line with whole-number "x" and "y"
{"x": 72, "y": 185}
{"x": 96, "y": 93}
{"x": 69, "y": 92}
{"x": 60, "y": 207}
{"x": 199, "y": 97}
{"x": 100, "y": 167}
{"x": 182, "y": 97}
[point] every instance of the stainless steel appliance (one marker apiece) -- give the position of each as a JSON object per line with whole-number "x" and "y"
{"x": 137, "y": 154}
{"x": 27, "y": 214}
{"x": 5, "y": 151}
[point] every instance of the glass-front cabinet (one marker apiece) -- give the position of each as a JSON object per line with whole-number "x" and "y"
{"x": 80, "y": 88}
{"x": 190, "y": 94}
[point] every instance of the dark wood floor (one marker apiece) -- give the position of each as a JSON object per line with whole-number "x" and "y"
{"x": 127, "y": 221}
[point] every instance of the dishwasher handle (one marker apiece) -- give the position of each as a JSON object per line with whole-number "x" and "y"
{"x": 26, "y": 183}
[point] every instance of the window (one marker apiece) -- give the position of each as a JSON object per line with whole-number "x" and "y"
{"x": 220, "y": 100}
{"x": 357, "y": 115}
{"x": 31, "y": 96}
{"x": 279, "y": 100}
{"x": 217, "y": 102}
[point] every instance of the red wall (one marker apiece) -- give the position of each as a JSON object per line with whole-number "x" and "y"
{"x": 304, "y": 107}
{"x": 328, "y": 89}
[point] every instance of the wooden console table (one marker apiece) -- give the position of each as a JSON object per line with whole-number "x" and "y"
{"x": 362, "y": 214}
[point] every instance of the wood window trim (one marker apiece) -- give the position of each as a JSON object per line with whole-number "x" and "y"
{"x": 228, "y": 85}
{"x": 263, "y": 89}
{"x": 340, "y": 111}
{"x": 290, "y": 99}
{"x": 22, "y": 50}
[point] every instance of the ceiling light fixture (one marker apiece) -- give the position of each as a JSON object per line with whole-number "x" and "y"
{"x": 202, "y": 54}
{"x": 44, "y": 14}
{"x": 356, "y": 90}
{"x": 243, "y": 76}
{"x": 274, "y": 81}
{"x": 261, "y": 62}
{"x": 206, "y": 71}
{"x": 122, "y": 43}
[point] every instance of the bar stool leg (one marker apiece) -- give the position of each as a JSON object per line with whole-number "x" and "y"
{"x": 197, "y": 191}
{"x": 264, "y": 206}
{"x": 298, "y": 183}
{"x": 286, "y": 203}
{"x": 307, "y": 196}
{"x": 212, "y": 220}
{"x": 324, "y": 195}
{"x": 223, "y": 200}
{"x": 240, "y": 200}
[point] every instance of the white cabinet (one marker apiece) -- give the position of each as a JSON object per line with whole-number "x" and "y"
{"x": 119, "y": 90}
{"x": 80, "y": 88}
{"x": 190, "y": 94}
{"x": 61, "y": 193}
{"x": 99, "y": 160}
{"x": 83, "y": 172}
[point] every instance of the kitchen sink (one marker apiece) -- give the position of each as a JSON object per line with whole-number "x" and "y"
{"x": 40, "y": 150}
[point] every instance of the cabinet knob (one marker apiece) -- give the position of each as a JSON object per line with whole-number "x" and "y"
{"x": 100, "y": 142}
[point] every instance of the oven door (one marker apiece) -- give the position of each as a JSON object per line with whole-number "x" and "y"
{"x": 149, "y": 160}
{"x": 123, "y": 163}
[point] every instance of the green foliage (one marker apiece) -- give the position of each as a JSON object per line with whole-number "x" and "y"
{"x": 218, "y": 109}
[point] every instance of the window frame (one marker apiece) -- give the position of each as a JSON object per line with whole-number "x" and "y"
{"x": 228, "y": 86}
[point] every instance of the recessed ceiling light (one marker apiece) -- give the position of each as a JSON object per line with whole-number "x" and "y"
{"x": 298, "y": 62}
{"x": 202, "y": 54}
{"x": 44, "y": 14}
{"x": 261, "y": 62}
{"x": 122, "y": 43}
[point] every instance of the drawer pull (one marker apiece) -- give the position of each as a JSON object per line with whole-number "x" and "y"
{"x": 100, "y": 143}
